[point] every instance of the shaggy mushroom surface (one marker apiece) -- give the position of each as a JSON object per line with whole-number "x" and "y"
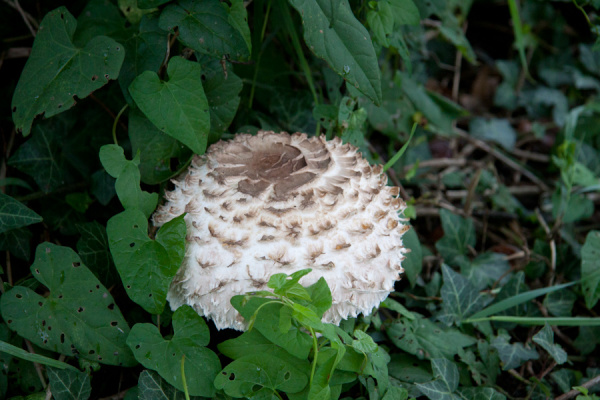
{"x": 275, "y": 202}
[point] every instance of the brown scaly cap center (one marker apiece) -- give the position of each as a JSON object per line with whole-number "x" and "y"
{"x": 268, "y": 160}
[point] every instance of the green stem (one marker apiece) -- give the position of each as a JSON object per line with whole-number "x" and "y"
{"x": 114, "y": 127}
{"x": 185, "y": 388}
{"x": 316, "y": 351}
{"x": 260, "y": 52}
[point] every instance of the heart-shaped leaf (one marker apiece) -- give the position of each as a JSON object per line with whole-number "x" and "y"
{"x": 165, "y": 356}
{"x": 178, "y": 106}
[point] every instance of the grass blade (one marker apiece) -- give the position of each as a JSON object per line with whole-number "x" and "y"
{"x": 514, "y": 301}
{"x": 25, "y": 355}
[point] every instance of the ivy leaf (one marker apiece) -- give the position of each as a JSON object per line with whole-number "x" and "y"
{"x": 334, "y": 34}
{"x": 590, "y": 269}
{"x": 480, "y": 393}
{"x": 545, "y": 338}
{"x": 446, "y": 382}
{"x": 178, "y": 106}
{"x": 164, "y": 356}
{"x": 78, "y": 317}
{"x": 146, "y": 266}
{"x": 425, "y": 339}
{"x": 42, "y": 157}
{"x": 145, "y": 50}
{"x": 69, "y": 385}
{"x": 460, "y": 298}
{"x": 222, "y": 92}
{"x": 259, "y": 375}
{"x": 459, "y": 236}
{"x": 17, "y": 242}
{"x": 206, "y": 26}
{"x": 158, "y": 151}
{"x": 57, "y": 71}
{"x": 94, "y": 252}
{"x": 13, "y": 214}
{"x": 495, "y": 130}
{"x": 153, "y": 387}
{"x": 512, "y": 355}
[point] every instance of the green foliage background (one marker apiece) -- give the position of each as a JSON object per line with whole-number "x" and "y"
{"x": 485, "y": 114}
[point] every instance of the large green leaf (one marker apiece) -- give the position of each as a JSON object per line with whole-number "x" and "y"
{"x": 69, "y": 385}
{"x": 178, "y": 106}
{"x": 57, "y": 71}
{"x": 590, "y": 269}
{"x": 334, "y": 34}
{"x": 78, "y": 317}
{"x": 206, "y": 26}
{"x": 13, "y": 214}
{"x": 146, "y": 266}
{"x": 165, "y": 356}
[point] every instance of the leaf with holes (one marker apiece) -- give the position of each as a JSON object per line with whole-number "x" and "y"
{"x": 260, "y": 375}
{"x": 146, "y": 266}
{"x": 206, "y": 26}
{"x": 13, "y": 214}
{"x": 164, "y": 356}
{"x": 178, "y": 106}
{"x": 78, "y": 317}
{"x": 57, "y": 71}
{"x": 69, "y": 385}
{"x": 334, "y": 34}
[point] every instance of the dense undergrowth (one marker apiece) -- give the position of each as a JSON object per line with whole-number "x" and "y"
{"x": 103, "y": 102}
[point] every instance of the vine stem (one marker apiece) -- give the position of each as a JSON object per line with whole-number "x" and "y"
{"x": 116, "y": 121}
{"x": 183, "y": 381}
{"x": 316, "y": 351}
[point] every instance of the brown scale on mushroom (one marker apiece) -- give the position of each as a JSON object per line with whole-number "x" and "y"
{"x": 259, "y": 205}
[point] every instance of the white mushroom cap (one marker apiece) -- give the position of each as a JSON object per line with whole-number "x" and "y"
{"x": 275, "y": 202}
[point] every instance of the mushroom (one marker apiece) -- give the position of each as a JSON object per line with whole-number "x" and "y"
{"x": 275, "y": 202}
